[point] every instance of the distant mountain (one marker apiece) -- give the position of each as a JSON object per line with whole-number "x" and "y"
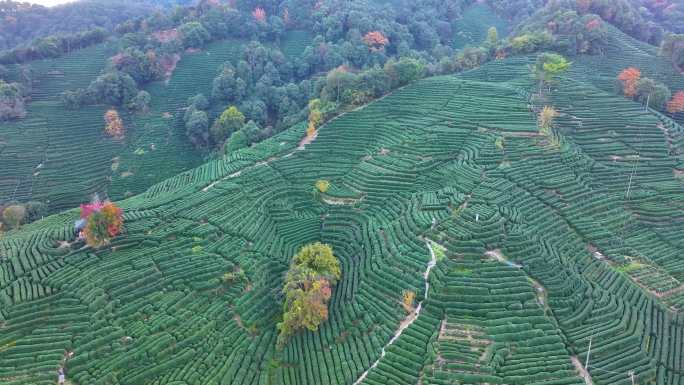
{"x": 24, "y": 22}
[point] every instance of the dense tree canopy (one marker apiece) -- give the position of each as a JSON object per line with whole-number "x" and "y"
{"x": 673, "y": 48}
{"x": 52, "y": 46}
{"x": 11, "y": 101}
{"x": 577, "y": 25}
{"x": 24, "y": 22}
{"x": 142, "y": 67}
{"x": 194, "y": 35}
{"x": 114, "y": 88}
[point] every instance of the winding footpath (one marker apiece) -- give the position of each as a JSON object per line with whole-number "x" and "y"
{"x": 410, "y": 318}
{"x": 302, "y": 143}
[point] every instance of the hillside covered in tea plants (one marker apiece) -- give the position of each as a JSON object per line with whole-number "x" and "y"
{"x": 509, "y": 218}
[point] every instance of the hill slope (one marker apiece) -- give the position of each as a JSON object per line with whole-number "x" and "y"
{"x": 62, "y": 157}
{"x": 537, "y": 251}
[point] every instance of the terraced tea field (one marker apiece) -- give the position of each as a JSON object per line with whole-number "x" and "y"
{"x": 295, "y": 42}
{"x": 158, "y": 147}
{"x": 538, "y": 252}
{"x": 43, "y": 156}
{"x": 61, "y": 157}
{"x": 471, "y": 29}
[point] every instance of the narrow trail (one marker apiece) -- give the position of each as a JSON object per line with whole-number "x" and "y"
{"x": 261, "y": 163}
{"x": 496, "y": 254}
{"x": 541, "y": 295}
{"x": 302, "y": 143}
{"x": 583, "y": 371}
{"x": 410, "y": 318}
{"x": 542, "y": 299}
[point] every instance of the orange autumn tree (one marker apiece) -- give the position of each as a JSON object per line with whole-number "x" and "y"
{"x": 114, "y": 125}
{"x": 103, "y": 223}
{"x": 629, "y": 78}
{"x": 676, "y": 104}
{"x": 259, "y": 14}
{"x": 375, "y": 40}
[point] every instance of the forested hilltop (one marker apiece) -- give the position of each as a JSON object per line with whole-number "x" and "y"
{"x": 305, "y": 192}
{"x": 23, "y": 22}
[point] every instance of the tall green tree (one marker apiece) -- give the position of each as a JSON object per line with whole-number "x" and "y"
{"x": 652, "y": 93}
{"x": 14, "y": 215}
{"x": 548, "y": 67}
{"x": 194, "y": 34}
{"x": 11, "y": 101}
{"x": 308, "y": 288}
{"x": 231, "y": 120}
{"x": 673, "y": 48}
{"x": 492, "y": 36}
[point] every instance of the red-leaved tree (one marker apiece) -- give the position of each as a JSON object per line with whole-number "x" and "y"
{"x": 676, "y": 104}
{"x": 629, "y": 78}
{"x": 375, "y": 40}
{"x": 259, "y": 14}
{"x": 104, "y": 222}
{"x": 593, "y": 24}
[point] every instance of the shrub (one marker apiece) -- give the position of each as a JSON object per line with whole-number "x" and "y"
{"x": 408, "y": 298}
{"x": 499, "y": 143}
{"x": 322, "y": 185}
{"x": 545, "y": 119}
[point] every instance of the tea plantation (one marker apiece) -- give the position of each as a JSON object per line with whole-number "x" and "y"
{"x": 62, "y": 157}
{"x": 471, "y": 29}
{"x": 539, "y": 251}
